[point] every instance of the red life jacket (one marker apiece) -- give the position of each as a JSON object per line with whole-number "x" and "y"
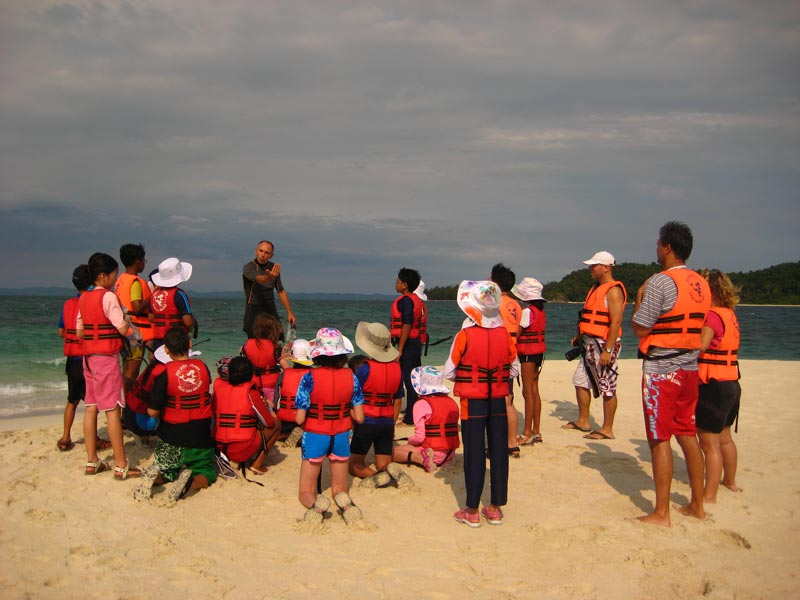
{"x": 287, "y": 409}
{"x": 164, "y": 312}
{"x": 595, "y": 318}
{"x": 722, "y": 362}
{"x": 441, "y": 430}
{"x": 188, "y": 391}
{"x": 680, "y": 327}
{"x": 396, "y": 318}
{"x": 331, "y": 400}
{"x": 99, "y": 335}
{"x": 122, "y": 288}
{"x": 262, "y": 354}
{"x": 73, "y": 346}
{"x": 423, "y": 324}
{"x": 136, "y": 398}
{"x": 380, "y": 387}
{"x": 531, "y": 338}
{"x": 235, "y": 418}
{"x": 484, "y": 369}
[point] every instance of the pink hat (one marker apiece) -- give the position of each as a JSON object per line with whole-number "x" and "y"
{"x": 330, "y": 342}
{"x": 480, "y": 301}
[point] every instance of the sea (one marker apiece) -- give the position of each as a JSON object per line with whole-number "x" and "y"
{"x": 32, "y": 379}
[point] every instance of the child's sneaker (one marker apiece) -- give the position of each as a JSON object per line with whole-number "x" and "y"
{"x": 350, "y": 512}
{"x": 379, "y": 480}
{"x": 180, "y": 486}
{"x": 469, "y": 519}
{"x": 144, "y": 491}
{"x": 494, "y": 516}
{"x": 315, "y": 514}
{"x": 402, "y": 478}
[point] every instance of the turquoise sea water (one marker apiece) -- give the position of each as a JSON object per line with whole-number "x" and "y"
{"x": 32, "y": 364}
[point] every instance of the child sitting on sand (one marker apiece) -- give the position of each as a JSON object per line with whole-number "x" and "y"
{"x": 264, "y": 352}
{"x": 329, "y": 399}
{"x": 435, "y": 438}
{"x": 299, "y": 363}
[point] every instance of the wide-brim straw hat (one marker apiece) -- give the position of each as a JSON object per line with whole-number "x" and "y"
{"x": 330, "y": 342}
{"x": 376, "y": 341}
{"x": 528, "y": 290}
{"x": 480, "y": 301}
{"x": 427, "y": 381}
{"x": 301, "y": 352}
{"x": 171, "y": 272}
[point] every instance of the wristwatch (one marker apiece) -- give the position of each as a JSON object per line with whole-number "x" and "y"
{"x": 609, "y": 350}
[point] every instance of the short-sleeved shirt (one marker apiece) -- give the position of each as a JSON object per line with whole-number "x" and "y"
{"x": 362, "y": 375}
{"x": 261, "y": 294}
{"x": 303, "y": 397}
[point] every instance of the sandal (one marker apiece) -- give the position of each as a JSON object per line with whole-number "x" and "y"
{"x": 514, "y": 452}
{"x": 122, "y": 473}
{"x": 102, "y": 444}
{"x": 93, "y": 468}
{"x": 529, "y": 440}
{"x": 65, "y": 445}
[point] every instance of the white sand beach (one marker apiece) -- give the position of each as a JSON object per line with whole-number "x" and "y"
{"x": 567, "y": 533}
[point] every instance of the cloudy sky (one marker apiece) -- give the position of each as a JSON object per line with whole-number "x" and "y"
{"x": 364, "y": 136}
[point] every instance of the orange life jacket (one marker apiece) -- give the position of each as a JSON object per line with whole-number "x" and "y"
{"x": 73, "y": 346}
{"x": 164, "y": 312}
{"x": 235, "y": 419}
{"x": 122, "y": 288}
{"x": 595, "y": 318}
{"x": 188, "y": 391}
{"x": 136, "y": 398}
{"x": 287, "y": 409}
{"x": 262, "y": 354}
{"x": 99, "y": 335}
{"x": 396, "y": 318}
{"x": 531, "y": 338}
{"x": 441, "y": 430}
{"x": 511, "y": 312}
{"x": 331, "y": 400}
{"x": 484, "y": 369}
{"x": 722, "y": 363}
{"x": 380, "y": 387}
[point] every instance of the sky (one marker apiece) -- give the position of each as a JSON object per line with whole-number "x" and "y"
{"x": 360, "y": 137}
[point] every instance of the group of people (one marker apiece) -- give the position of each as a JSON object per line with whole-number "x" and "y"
{"x": 307, "y": 391}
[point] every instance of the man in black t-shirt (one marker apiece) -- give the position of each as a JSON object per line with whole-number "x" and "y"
{"x": 261, "y": 279}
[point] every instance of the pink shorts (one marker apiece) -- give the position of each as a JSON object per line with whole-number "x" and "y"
{"x": 669, "y": 401}
{"x": 103, "y": 381}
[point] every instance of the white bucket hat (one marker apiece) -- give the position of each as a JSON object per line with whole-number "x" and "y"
{"x": 480, "y": 301}
{"x": 528, "y": 290}
{"x": 428, "y": 380}
{"x": 376, "y": 341}
{"x": 420, "y": 291}
{"x": 161, "y": 355}
{"x": 171, "y": 272}
{"x": 601, "y": 258}
{"x": 301, "y": 352}
{"x": 330, "y": 342}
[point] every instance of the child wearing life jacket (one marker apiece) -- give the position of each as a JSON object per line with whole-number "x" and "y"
{"x": 134, "y": 296}
{"x": 482, "y": 360}
{"x": 263, "y": 350}
{"x": 381, "y": 382}
{"x": 405, "y": 317}
{"x": 73, "y": 350}
{"x": 435, "y": 438}
{"x": 169, "y": 304}
{"x": 181, "y": 398}
{"x": 244, "y": 428}
{"x": 329, "y": 399}
{"x": 101, "y": 324}
{"x": 297, "y": 362}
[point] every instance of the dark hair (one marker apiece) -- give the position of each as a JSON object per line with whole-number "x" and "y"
{"x": 678, "y": 236}
{"x": 150, "y": 275}
{"x": 356, "y": 361}
{"x": 177, "y": 341}
{"x": 339, "y": 361}
{"x": 130, "y": 253}
{"x": 100, "y": 264}
{"x": 240, "y": 370}
{"x": 81, "y": 278}
{"x": 267, "y": 327}
{"x": 410, "y": 277}
{"x": 266, "y": 242}
{"x": 503, "y": 277}
{"x": 538, "y": 304}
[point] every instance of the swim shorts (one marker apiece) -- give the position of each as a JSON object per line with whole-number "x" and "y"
{"x": 367, "y": 434}
{"x": 669, "y": 401}
{"x": 717, "y": 405}
{"x": 316, "y": 446}
{"x": 170, "y": 459}
{"x": 103, "y": 381}
{"x": 532, "y": 358}
{"x": 607, "y": 380}
{"x": 76, "y": 384}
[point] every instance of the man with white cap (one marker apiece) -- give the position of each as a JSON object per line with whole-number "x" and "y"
{"x": 600, "y": 328}
{"x": 169, "y": 304}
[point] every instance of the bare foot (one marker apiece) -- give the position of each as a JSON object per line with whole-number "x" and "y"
{"x": 732, "y": 487}
{"x": 653, "y": 519}
{"x": 693, "y": 511}
{"x": 707, "y": 500}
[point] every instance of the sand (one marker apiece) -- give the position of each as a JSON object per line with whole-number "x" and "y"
{"x": 567, "y": 531}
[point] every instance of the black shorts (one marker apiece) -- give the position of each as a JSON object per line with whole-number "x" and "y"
{"x": 367, "y": 434}
{"x": 76, "y": 384}
{"x": 717, "y": 405}
{"x": 532, "y": 358}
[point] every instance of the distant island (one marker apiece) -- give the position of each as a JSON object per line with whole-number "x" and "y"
{"x": 779, "y": 284}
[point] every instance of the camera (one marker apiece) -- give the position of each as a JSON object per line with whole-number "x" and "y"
{"x": 572, "y": 353}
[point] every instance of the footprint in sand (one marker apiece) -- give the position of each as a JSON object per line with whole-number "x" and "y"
{"x": 739, "y": 539}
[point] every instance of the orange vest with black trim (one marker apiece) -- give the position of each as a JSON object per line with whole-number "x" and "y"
{"x": 595, "y": 318}
{"x": 380, "y": 387}
{"x": 122, "y": 288}
{"x": 722, "y": 363}
{"x": 73, "y": 346}
{"x": 423, "y": 324}
{"x": 680, "y": 327}
{"x": 441, "y": 430}
{"x": 164, "y": 312}
{"x": 531, "y": 338}
{"x": 331, "y": 400}
{"x": 396, "y": 318}
{"x": 136, "y": 398}
{"x": 511, "y": 312}
{"x": 99, "y": 335}
{"x": 484, "y": 368}
{"x": 235, "y": 418}
{"x": 188, "y": 391}
{"x": 262, "y": 354}
{"x": 287, "y": 409}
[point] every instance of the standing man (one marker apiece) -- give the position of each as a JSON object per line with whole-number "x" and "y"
{"x": 262, "y": 278}
{"x": 670, "y": 311}
{"x": 600, "y": 328}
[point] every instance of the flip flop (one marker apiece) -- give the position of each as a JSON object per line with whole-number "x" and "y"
{"x": 573, "y": 425}
{"x": 598, "y": 435}
{"x": 65, "y": 445}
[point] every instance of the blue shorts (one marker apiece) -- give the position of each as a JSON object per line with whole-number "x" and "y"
{"x": 316, "y": 446}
